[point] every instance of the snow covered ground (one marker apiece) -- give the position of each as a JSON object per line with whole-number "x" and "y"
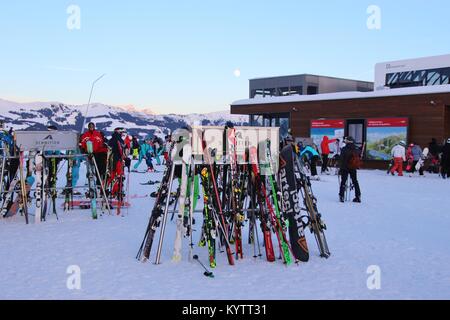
{"x": 402, "y": 227}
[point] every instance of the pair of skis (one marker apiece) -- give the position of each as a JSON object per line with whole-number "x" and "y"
{"x": 316, "y": 224}
{"x": 157, "y": 213}
{"x": 92, "y": 185}
{"x": 45, "y": 185}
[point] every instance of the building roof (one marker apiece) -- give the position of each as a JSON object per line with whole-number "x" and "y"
{"x": 309, "y": 75}
{"x": 347, "y": 95}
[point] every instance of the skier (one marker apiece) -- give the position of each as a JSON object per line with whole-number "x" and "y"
{"x": 445, "y": 164}
{"x": 167, "y": 143}
{"x": 336, "y": 156}
{"x": 127, "y": 151}
{"x": 312, "y": 156}
{"x": 117, "y": 146}
{"x": 350, "y": 158}
{"x": 409, "y": 158}
{"x": 158, "y": 148}
{"x": 398, "y": 154}
{"x": 145, "y": 153}
{"x": 416, "y": 152}
{"x": 435, "y": 150}
{"x": 8, "y": 149}
{"x": 135, "y": 147}
{"x": 100, "y": 148}
{"x": 325, "y": 148}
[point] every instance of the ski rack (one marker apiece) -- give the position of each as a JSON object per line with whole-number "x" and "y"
{"x": 68, "y": 156}
{"x": 219, "y": 159}
{"x": 203, "y": 155}
{"x": 36, "y": 142}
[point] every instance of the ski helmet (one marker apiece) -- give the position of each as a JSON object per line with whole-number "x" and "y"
{"x": 289, "y": 138}
{"x": 229, "y": 124}
{"x": 402, "y": 143}
{"x": 448, "y": 140}
{"x": 349, "y": 140}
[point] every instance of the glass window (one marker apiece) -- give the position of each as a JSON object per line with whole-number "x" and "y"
{"x": 256, "y": 121}
{"x": 312, "y": 90}
{"x": 257, "y": 93}
{"x": 296, "y": 90}
{"x": 284, "y": 127}
{"x": 283, "y": 91}
{"x": 428, "y": 77}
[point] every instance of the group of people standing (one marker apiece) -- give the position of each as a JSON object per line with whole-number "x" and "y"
{"x": 150, "y": 148}
{"x": 347, "y": 157}
{"x": 435, "y": 158}
{"x": 113, "y": 156}
{"x": 330, "y": 149}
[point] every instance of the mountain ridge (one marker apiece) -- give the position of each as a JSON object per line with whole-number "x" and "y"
{"x": 37, "y": 115}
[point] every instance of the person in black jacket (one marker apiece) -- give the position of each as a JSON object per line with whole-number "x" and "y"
{"x": 117, "y": 146}
{"x": 435, "y": 150}
{"x": 445, "y": 164}
{"x": 347, "y": 168}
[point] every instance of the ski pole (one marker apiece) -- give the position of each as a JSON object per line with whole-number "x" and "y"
{"x": 207, "y": 273}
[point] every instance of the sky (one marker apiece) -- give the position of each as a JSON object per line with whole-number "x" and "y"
{"x": 182, "y": 56}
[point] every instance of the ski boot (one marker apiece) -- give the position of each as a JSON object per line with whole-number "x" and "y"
{"x": 357, "y": 200}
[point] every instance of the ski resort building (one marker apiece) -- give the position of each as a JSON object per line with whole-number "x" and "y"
{"x": 411, "y": 102}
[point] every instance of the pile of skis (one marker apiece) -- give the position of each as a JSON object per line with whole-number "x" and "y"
{"x": 280, "y": 205}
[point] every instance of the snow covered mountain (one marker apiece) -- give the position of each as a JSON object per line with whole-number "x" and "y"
{"x": 37, "y": 115}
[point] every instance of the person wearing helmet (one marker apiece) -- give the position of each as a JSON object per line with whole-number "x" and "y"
{"x": 398, "y": 153}
{"x": 100, "y": 148}
{"x": 135, "y": 147}
{"x": 445, "y": 164}
{"x": 349, "y": 164}
{"x": 145, "y": 153}
{"x": 311, "y": 156}
{"x": 118, "y": 152}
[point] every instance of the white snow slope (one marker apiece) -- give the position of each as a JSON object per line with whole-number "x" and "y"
{"x": 402, "y": 227}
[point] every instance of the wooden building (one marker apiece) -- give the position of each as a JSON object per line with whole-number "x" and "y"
{"x": 418, "y": 113}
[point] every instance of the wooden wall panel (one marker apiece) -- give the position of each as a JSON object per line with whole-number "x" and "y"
{"x": 427, "y": 120}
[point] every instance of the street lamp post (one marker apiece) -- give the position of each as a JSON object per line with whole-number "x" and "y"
{"x": 89, "y": 102}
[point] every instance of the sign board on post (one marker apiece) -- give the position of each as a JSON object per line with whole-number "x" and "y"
{"x": 46, "y": 140}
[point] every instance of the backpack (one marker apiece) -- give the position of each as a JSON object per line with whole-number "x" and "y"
{"x": 354, "y": 161}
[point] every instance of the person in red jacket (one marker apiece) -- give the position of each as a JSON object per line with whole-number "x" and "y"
{"x": 100, "y": 148}
{"x": 325, "y": 146}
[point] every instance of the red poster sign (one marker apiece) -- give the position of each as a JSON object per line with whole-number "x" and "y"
{"x": 338, "y": 124}
{"x": 387, "y": 122}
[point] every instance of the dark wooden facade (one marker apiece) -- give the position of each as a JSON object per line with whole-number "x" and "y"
{"x": 429, "y": 114}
